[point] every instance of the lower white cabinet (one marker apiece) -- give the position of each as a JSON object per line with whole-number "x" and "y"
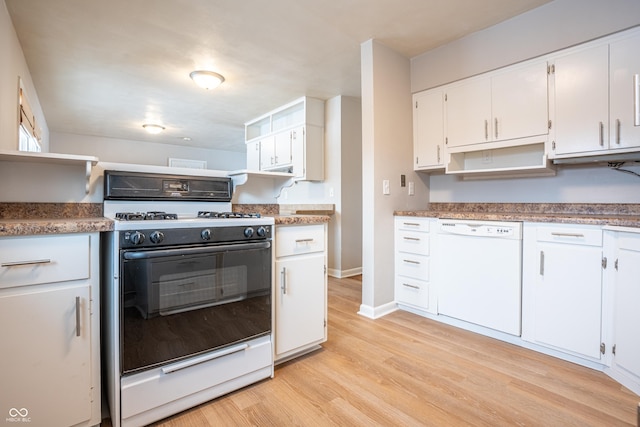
{"x": 300, "y": 291}
{"x": 49, "y": 311}
{"x": 625, "y": 281}
{"x": 562, "y": 288}
{"x": 413, "y": 244}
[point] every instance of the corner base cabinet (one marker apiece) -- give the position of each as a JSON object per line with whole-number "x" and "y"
{"x": 413, "y": 249}
{"x": 300, "y": 289}
{"x": 49, "y": 311}
{"x": 624, "y": 278}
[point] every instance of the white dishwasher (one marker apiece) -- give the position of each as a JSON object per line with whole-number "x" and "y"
{"x": 481, "y": 265}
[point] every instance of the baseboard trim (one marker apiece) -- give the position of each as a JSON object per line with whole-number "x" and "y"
{"x": 341, "y": 274}
{"x": 377, "y": 312}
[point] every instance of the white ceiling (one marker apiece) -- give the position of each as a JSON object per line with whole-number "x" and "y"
{"x": 106, "y": 67}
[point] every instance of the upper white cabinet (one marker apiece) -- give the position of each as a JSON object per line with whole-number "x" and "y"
{"x": 289, "y": 139}
{"x": 428, "y": 129}
{"x": 596, "y": 98}
{"x": 507, "y": 104}
{"x": 624, "y": 75}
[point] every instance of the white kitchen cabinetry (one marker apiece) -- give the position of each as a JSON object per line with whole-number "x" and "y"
{"x": 413, "y": 255}
{"x": 596, "y": 98}
{"x": 624, "y": 276}
{"x": 253, "y": 155}
{"x": 290, "y": 139}
{"x": 508, "y": 104}
{"x": 562, "y": 288}
{"x": 624, "y": 83}
{"x": 300, "y": 290}
{"x": 49, "y": 309}
{"x": 428, "y": 129}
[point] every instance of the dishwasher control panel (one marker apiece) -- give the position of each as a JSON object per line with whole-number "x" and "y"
{"x": 481, "y": 228}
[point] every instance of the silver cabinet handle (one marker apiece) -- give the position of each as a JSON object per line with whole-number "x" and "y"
{"x": 577, "y": 235}
{"x": 410, "y": 261}
{"x": 411, "y": 224}
{"x": 601, "y": 129}
{"x": 283, "y": 280}
{"x": 411, "y": 286}
{"x": 21, "y": 263}
{"x": 496, "y": 129}
{"x": 415, "y": 239}
{"x": 541, "y": 263}
{"x": 486, "y": 130}
{"x": 304, "y": 240}
{"x": 636, "y": 100}
{"x": 618, "y": 131}
{"x": 77, "y": 316}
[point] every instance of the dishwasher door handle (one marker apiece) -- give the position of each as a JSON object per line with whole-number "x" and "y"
{"x": 542, "y": 263}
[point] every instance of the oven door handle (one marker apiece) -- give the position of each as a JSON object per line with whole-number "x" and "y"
{"x": 194, "y": 250}
{"x": 204, "y": 358}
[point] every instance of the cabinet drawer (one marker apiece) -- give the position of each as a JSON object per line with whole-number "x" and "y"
{"x": 299, "y": 239}
{"x": 590, "y": 236}
{"x": 411, "y": 265}
{"x": 413, "y": 242}
{"x": 413, "y": 292}
{"x": 43, "y": 259}
{"x": 412, "y": 223}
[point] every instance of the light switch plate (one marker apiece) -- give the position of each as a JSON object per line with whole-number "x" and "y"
{"x": 412, "y": 188}
{"x": 385, "y": 187}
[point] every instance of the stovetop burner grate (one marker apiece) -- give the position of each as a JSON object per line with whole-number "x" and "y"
{"x": 143, "y": 216}
{"x": 211, "y": 214}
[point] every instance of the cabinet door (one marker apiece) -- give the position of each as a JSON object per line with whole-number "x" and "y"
{"x": 582, "y": 101}
{"x": 300, "y": 302}
{"x": 625, "y": 93}
{"x": 46, "y": 366}
{"x": 627, "y": 303}
{"x": 568, "y": 298}
{"x": 428, "y": 129}
{"x": 468, "y": 113}
{"x": 283, "y": 148}
{"x": 253, "y": 155}
{"x": 519, "y": 102}
{"x": 267, "y": 153}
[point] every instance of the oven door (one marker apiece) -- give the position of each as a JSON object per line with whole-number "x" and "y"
{"x": 182, "y": 301}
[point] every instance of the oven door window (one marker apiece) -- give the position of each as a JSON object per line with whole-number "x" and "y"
{"x": 179, "y": 302}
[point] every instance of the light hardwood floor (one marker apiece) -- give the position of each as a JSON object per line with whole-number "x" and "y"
{"x": 405, "y": 370}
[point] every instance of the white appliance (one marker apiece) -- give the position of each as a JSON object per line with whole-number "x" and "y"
{"x": 481, "y": 265}
{"x": 187, "y": 295}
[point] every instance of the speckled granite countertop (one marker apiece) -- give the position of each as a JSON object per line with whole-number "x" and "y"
{"x": 623, "y": 215}
{"x": 22, "y": 219}
{"x": 286, "y": 214}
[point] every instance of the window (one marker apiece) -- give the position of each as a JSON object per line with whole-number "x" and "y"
{"x": 29, "y": 133}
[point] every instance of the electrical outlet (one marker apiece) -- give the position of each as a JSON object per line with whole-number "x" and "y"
{"x": 412, "y": 188}
{"x": 331, "y": 193}
{"x": 385, "y": 187}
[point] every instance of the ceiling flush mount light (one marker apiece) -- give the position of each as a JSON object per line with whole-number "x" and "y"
{"x": 206, "y": 79}
{"x": 151, "y": 128}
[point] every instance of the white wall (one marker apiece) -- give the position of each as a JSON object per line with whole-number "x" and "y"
{"x": 556, "y": 25}
{"x": 14, "y": 66}
{"x": 142, "y": 152}
{"x": 387, "y": 152}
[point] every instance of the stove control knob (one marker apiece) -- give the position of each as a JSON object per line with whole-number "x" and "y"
{"x": 248, "y": 232}
{"x": 136, "y": 238}
{"x": 156, "y": 237}
{"x": 261, "y": 231}
{"x": 205, "y": 234}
